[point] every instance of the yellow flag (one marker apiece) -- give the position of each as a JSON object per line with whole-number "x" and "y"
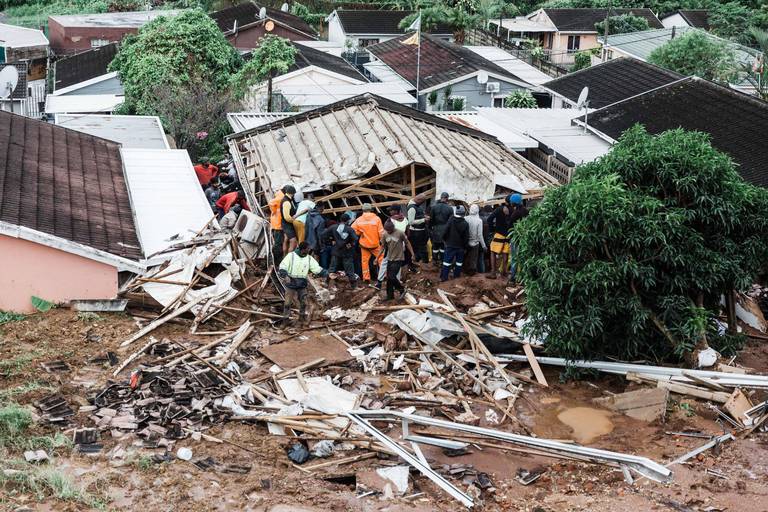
{"x": 413, "y": 40}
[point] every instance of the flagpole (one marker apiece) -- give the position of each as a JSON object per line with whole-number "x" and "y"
{"x": 418, "y": 65}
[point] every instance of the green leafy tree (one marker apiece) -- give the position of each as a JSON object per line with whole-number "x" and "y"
{"x": 696, "y": 53}
{"x": 274, "y": 56}
{"x": 630, "y": 259}
{"x": 731, "y": 20}
{"x": 622, "y": 24}
{"x": 581, "y": 60}
{"x": 489, "y": 10}
{"x": 171, "y": 51}
{"x": 458, "y": 17}
{"x": 522, "y": 98}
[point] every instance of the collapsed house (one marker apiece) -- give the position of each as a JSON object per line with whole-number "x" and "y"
{"x": 369, "y": 149}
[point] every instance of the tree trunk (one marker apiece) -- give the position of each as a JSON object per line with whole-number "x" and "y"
{"x": 730, "y": 310}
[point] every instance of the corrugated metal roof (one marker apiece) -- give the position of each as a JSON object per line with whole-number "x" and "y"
{"x": 144, "y": 132}
{"x": 166, "y": 196}
{"x": 384, "y": 73}
{"x": 82, "y": 103}
{"x": 554, "y": 129}
{"x": 512, "y": 64}
{"x": 12, "y": 36}
{"x": 306, "y": 97}
{"x": 241, "y": 121}
{"x": 346, "y": 140}
{"x": 513, "y": 139}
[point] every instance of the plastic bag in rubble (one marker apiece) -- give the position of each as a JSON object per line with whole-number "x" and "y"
{"x": 298, "y": 453}
{"x": 324, "y": 448}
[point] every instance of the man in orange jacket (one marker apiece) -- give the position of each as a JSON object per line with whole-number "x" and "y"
{"x": 368, "y": 228}
{"x": 276, "y": 222}
{"x": 227, "y": 201}
{"x": 206, "y": 171}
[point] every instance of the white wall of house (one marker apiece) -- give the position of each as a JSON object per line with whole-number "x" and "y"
{"x": 335, "y": 30}
{"x": 473, "y": 93}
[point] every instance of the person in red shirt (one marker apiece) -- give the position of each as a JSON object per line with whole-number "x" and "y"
{"x": 206, "y": 171}
{"x": 227, "y": 201}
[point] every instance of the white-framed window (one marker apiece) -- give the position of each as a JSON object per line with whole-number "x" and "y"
{"x": 574, "y": 43}
{"x": 95, "y": 43}
{"x": 498, "y": 101}
{"x": 363, "y": 42}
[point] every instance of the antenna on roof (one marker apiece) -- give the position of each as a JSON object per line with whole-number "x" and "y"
{"x": 583, "y": 102}
{"x": 262, "y": 13}
{"x": 9, "y": 78}
{"x": 284, "y": 7}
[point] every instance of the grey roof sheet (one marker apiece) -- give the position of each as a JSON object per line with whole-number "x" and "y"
{"x": 583, "y": 20}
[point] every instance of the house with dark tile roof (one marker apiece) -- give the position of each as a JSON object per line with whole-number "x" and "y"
{"x": 83, "y": 66}
{"x": 244, "y": 24}
{"x": 696, "y": 18}
{"x": 736, "y": 122}
{"x": 610, "y": 82}
{"x": 562, "y": 33}
{"x": 455, "y": 77}
{"x": 66, "y": 220}
{"x": 364, "y": 28}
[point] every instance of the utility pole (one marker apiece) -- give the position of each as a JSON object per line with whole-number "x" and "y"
{"x": 606, "y": 31}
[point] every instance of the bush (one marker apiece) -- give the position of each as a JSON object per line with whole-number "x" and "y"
{"x": 520, "y": 99}
{"x": 582, "y": 60}
{"x": 696, "y": 53}
{"x": 630, "y": 259}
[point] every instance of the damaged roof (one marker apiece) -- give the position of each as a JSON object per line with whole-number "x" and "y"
{"x": 247, "y": 13}
{"x": 347, "y": 139}
{"x": 735, "y": 121}
{"x": 67, "y": 184}
{"x": 306, "y": 56}
{"x": 440, "y": 61}
{"x": 612, "y": 81}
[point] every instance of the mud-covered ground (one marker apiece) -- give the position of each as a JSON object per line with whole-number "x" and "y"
{"x": 123, "y": 476}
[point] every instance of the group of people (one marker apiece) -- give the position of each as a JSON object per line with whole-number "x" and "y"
{"x": 222, "y": 190}
{"x": 377, "y": 251}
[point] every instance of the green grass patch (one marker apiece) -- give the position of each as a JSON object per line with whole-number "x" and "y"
{"x": 18, "y": 477}
{"x": 88, "y": 317}
{"x": 15, "y": 422}
{"x": 10, "y": 394}
{"x": 7, "y": 316}
{"x": 17, "y": 365}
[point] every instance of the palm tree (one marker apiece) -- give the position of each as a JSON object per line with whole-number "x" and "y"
{"x": 757, "y": 74}
{"x": 492, "y": 9}
{"x": 460, "y": 21}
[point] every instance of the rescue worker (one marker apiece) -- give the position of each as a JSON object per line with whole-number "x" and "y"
{"x": 395, "y": 244}
{"x": 343, "y": 251}
{"x": 227, "y": 201}
{"x": 276, "y": 223}
{"x": 303, "y": 208}
{"x": 294, "y": 271}
{"x": 499, "y": 222}
{"x": 519, "y": 212}
{"x": 229, "y": 220}
{"x": 417, "y": 227}
{"x": 476, "y": 245}
{"x": 287, "y": 211}
{"x": 206, "y": 171}
{"x": 456, "y": 238}
{"x": 401, "y": 224}
{"x": 369, "y": 229}
{"x": 439, "y": 216}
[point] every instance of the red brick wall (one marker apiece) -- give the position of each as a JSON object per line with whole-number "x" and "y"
{"x": 66, "y": 40}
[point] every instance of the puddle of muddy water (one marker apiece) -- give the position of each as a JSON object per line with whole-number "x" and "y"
{"x": 587, "y": 423}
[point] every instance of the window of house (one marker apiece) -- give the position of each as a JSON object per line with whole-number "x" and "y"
{"x": 498, "y": 102}
{"x": 95, "y": 43}
{"x": 362, "y": 43}
{"x": 609, "y": 54}
{"x": 573, "y": 43}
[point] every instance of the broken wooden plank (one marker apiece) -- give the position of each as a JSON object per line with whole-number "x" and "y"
{"x": 534, "y": 365}
{"x": 737, "y": 405}
{"x": 160, "y": 321}
{"x": 641, "y": 404}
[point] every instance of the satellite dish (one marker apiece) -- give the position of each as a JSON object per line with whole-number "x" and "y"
{"x": 284, "y": 7}
{"x": 262, "y": 13}
{"x": 482, "y": 77}
{"x": 582, "y": 101}
{"x": 9, "y": 78}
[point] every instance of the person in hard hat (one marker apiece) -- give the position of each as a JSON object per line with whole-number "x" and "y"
{"x": 276, "y": 223}
{"x": 519, "y": 212}
{"x": 439, "y": 216}
{"x": 369, "y": 230}
{"x": 294, "y": 271}
{"x": 499, "y": 223}
{"x": 456, "y": 239}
